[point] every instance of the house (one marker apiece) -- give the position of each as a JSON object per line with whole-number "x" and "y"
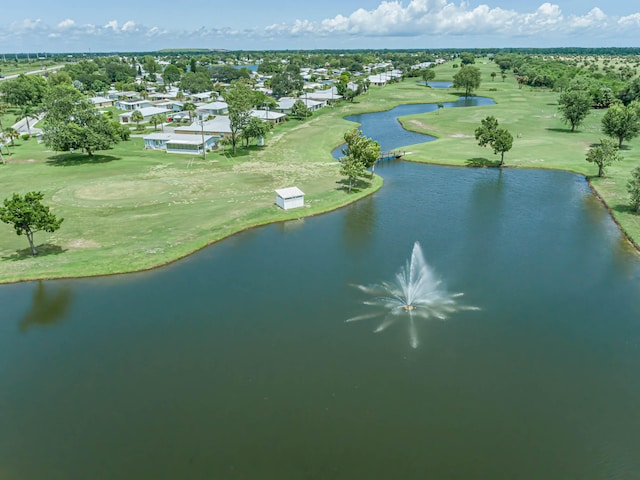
{"x": 147, "y": 113}
{"x": 212, "y": 109}
{"x": 219, "y": 126}
{"x": 268, "y": 116}
{"x": 179, "y": 143}
{"x": 285, "y": 104}
{"x": 133, "y": 104}
{"x": 287, "y": 198}
{"x": 173, "y": 105}
{"x": 101, "y": 102}
{"x": 203, "y": 97}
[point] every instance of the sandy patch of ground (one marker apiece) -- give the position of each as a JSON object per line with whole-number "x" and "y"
{"x": 460, "y": 135}
{"x": 83, "y": 243}
{"x": 420, "y": 124}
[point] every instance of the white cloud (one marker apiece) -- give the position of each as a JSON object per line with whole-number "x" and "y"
{"x": 68, "y": 23}
{"x": 129, "y": 26}
{"x": 444, "y": 21}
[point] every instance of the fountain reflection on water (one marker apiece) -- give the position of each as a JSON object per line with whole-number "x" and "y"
{"x": 416, "y": 294}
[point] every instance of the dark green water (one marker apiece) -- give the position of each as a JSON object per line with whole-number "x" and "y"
{"x": 237, "y": 363}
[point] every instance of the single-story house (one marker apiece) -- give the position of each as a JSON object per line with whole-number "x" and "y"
{"x": 133, "y": 104}
{"x": 101, "y": 102}
{"x": 173, "y": 105}
{"x": 269, "y": 116}
{"x": 285, "y": 104}
{"x": 291, "y": 197}
{"x": 203, "y": 97}
{"x": 178, "y": 143}
{"x": 212, "y": 109}
{"x": 220, "y": 126}
{"x": 147, "y": 113}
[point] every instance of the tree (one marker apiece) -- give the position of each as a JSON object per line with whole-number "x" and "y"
{"x": 359, "y": 150}
{"x": 622, "y": 122}
{"x": 467, "y": 58}
{"x": 468, "y": 78}
{"x": 633, "y": 187}
{"x": 603, "y": 155}
{"x": 489, "y": 133}
{"x": 137, "y": 117}
{"x": 574, "y": 106}
{"x": 196, "y": 82}
{"x": 427, "y": 74}
{"x": 255, "y": 128}
{"x": 352, "y": 168}
{"x": 189, "y": 107}
{"x": 239, "y": 98}
{"x": 72, "y": 123}
{"x": 11, "y": 134}
{"x": 28, "y": 215}
{"x": 300, "y": 110}
{"x": 171, "y": 74}
{"x": 26, "y": 112}
{"x": 286, "y": 83}
{"x": 24, "y": 90}
{"x": 157, "y": 119}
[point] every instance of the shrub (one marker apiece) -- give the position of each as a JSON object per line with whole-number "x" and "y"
{"x": 25, "y": 136}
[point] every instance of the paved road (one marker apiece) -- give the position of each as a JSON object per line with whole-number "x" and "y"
{"x": 33, "y": 72}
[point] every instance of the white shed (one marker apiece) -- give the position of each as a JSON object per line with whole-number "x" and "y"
{"x": 291, "y": 197}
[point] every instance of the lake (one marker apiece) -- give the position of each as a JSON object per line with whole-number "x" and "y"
{"x": 237, "y": 362}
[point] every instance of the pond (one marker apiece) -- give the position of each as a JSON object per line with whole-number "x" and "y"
{"x": 238, "y": 362}
{"x": 385, "y": 128}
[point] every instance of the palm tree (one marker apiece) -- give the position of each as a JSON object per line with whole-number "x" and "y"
{"x": 137, "y": 117}
{"x": 189, "y": 107}
{"x": 26, "y": 111}
{"x": 158, "y": 119}
{"x": 11, "y": 134}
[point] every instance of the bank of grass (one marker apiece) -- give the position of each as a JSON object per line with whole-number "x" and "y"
{"x": 128, "y": 209}
{"x": 541, "y": 139}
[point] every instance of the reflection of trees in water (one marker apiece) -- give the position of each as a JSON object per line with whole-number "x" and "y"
{"x": 359, "y": 222}
{"x": 49, "y": 306}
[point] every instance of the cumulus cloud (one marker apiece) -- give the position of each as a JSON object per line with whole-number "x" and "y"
{"x": 68, "y": 23}
{"x": 446, "y": 20}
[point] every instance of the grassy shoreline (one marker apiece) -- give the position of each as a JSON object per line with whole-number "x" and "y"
{"x": 130, "y": 210}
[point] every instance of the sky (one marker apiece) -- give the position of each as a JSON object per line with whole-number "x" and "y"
{"x": 144, "y": 25}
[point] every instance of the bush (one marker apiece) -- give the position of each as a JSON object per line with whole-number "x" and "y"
{"x": 25, "y": 136}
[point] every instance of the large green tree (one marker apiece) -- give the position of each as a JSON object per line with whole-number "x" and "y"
{"x": 622, "y": 122}
{"x": 196, "y": 82}
{"x": 255, "y": 128}
{"x": 489, "y": 133}
{"x": 28, "y": 215}
{"x": 360, "y": 152}
{"x": 171, "y": 74}
{"x": 286, "y": 83}
{"x": 603, "y": 155}
{"x": 468, "y": 78}
{"x": 72, "y": 123}
{"x": 240, "y": 99}
{"x": 574, "y": 106}
{"x": 24, "y": 90}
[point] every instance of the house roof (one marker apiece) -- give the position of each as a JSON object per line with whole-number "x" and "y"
{"x": 286, "y": 103}
{"x": 267, "y": 114}
{"x": 290, "y": 192}
{"x": 147, "y": 111}
{"x": 219, "y": 124}
{"x": 178, "y": 138}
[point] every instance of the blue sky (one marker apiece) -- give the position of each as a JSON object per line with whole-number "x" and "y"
{"x": 116, "y": 25}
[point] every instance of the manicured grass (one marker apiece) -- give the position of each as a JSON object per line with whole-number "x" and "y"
{"x": 128, "y": 209}
{"x": 541, "y": 139}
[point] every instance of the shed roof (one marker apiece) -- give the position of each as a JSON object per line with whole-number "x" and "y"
{"x": 290, "y": 192}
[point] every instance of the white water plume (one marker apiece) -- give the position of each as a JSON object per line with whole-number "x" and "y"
{"x": 415, "y": 294}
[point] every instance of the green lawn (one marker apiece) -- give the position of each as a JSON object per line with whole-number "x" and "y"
{"x": 129, "y": 209}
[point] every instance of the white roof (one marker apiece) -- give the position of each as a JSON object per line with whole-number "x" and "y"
{"x": 178, "y": 138}
{"x": 214, "y": 106}
{"x": 95, "y": 100}
{"x": 290, "y": 192}
{"x": 147, "y": 111}
{"x": 267, "y": 114}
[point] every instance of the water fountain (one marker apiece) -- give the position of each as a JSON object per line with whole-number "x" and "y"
{"x": 416, "y": 294}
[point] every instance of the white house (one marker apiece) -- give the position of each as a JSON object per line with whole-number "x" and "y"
{"x": 219, "y": 126}
{"x": 269, "y": 116}
{"x": 285, "y": 104}
{"x": 291, "y": 197}
{"x": 132, "y": 104}
{"x": 147, "y": 113}
{"x": 100, "y": 102}
{"x": 212, "y": 109}
{"x": 178, "y": 143}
